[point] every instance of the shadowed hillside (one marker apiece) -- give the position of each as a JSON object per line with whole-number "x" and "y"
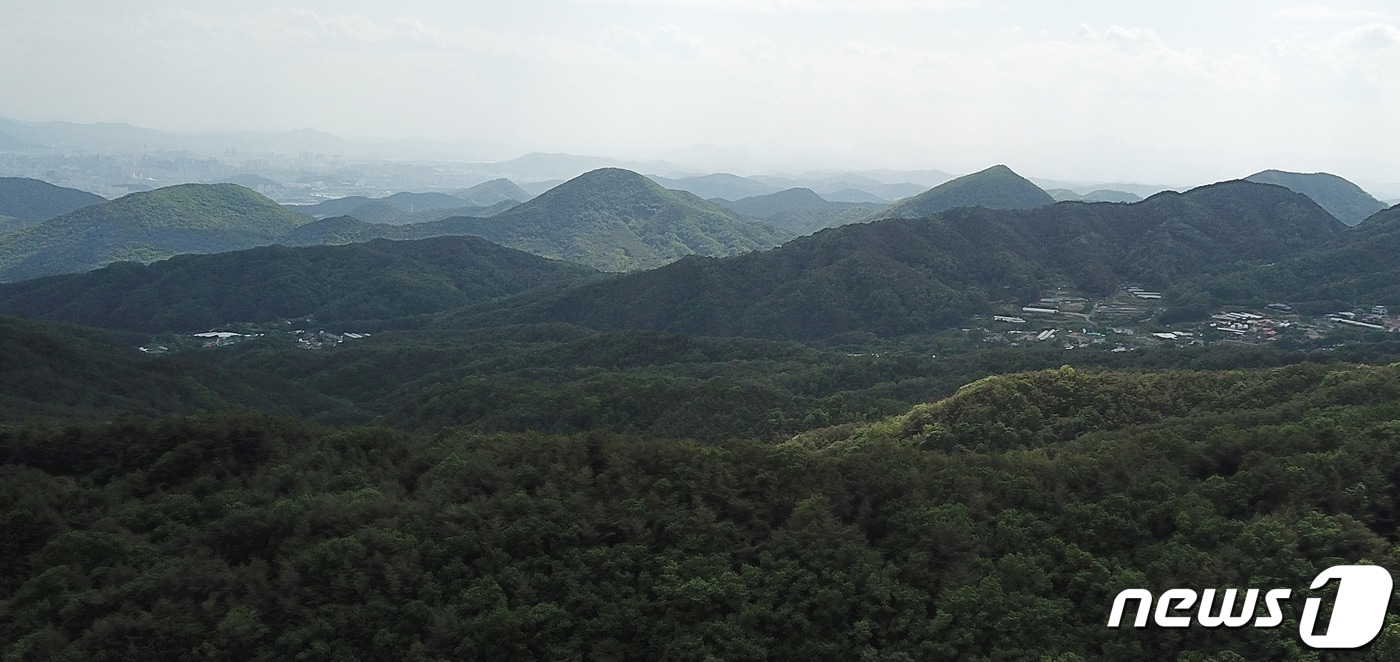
{"x": 1339, "y": 197}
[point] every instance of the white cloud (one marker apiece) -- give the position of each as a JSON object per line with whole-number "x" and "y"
{"x": 668, "y": 37}
{"x": 1324, "y": 13}
{"x": 1133, "y": 35}
{"x": 1375, "y": 35}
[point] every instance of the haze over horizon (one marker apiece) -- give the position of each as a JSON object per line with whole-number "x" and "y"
{"x": 1082, "y": 91}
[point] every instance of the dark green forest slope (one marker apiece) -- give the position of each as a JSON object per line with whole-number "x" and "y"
{"x": 255, "y": 538}
{"x": 64, "y": 373}
{"x": 1358, "y": 266}
{"x": 1339, "y": 197}
{"x": 364, "y": 283}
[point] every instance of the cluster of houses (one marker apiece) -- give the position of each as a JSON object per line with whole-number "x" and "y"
{"x": 1133, "y": 305}
{"x": 303, "y": 338}
{"x": 324, "y": 339}
{"x": 1376, "y": 319}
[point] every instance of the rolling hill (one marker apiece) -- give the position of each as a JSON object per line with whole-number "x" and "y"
{"x": 904, "y": 276}
{"x": 800, "y": 210}
{"x": 493, "y": 192}
{"x": 993, "y": 188}
{"x": 718, "y": 185}
{"x": 611, "y": 219}
{"x": 996, "y": 187}
{"x": 1098, "y": 195}
{"x": 33, "y": 200}
{"x": 367, "y": 282}
{"x": 1341, "y": 198}
{"x": 617, "y": 220}
{"x": 767, "y": 206}
{"x": 145, "y": 227}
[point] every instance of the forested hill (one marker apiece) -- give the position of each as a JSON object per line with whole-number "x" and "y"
{"x": 1032, "y": 410}
{"x": 1339, "y": 197}
{"x": 257, "y": 538}
{"x": 492, "y": 192}
{"x": 772, "y": 204}
{"x": 364, "y": 283}
{"x": 1359, "y": 266}
{"x": 33, "y": 200}
{"x": 617, "y": 220}
{"x": 144, "y": 227}
{"x": 916, "y": 275}
{"x": 997, "y": 187}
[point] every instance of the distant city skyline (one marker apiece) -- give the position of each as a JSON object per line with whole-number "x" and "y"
{"x": 1080, "y": 91}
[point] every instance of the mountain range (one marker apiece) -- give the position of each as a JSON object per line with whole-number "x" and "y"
{"x": 1234, "y": 241}
{"x": 610, "y": 219}
{"x": 914, "y": 275}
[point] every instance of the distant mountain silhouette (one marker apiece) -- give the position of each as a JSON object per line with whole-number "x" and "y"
{"x": 855, "y": 195}
{"x": 766, "y": 206}
{"x": 1099, "y": 195}
{"x": 800, "y": 210}
{"x": 719, "y": 185}
{"x": 33, "y": 200}
{"x": 493, "y": 192}
{"x": 996, "y": 187}
{"x": 1339, "y": 197}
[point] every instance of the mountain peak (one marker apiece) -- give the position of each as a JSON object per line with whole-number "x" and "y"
{"x": 997, "y": 187}
{"x": 618, "y": 220}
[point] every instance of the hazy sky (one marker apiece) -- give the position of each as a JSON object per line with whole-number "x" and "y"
{"x": 1174, "y": 92}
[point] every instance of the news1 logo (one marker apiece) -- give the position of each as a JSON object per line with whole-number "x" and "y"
{"x": 1358, "y": 614}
